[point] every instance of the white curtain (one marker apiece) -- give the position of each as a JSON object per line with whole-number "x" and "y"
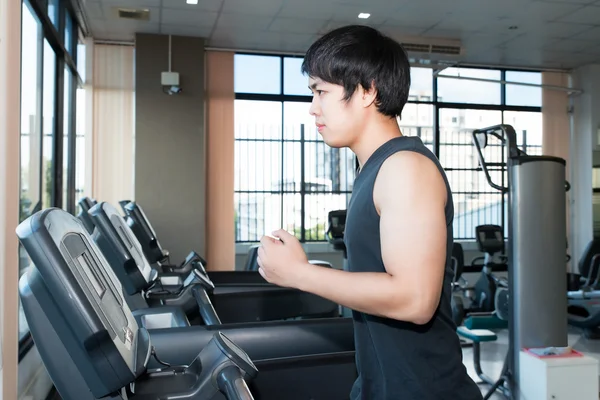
{"x": 112, "y": 123}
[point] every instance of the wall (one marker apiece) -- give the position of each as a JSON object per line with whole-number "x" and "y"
{"x": 169, "y": 144}
{"x": 586, "y": 122}
{"x": 220, "y": 141}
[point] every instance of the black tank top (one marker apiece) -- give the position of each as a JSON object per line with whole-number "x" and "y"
{"x": 395, "y": 359}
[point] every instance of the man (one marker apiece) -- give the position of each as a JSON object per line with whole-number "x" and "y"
{"x": 398, "y": 226}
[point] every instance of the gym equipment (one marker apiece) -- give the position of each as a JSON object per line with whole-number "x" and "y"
{"x": 159, "y": 257}
{"x": 456, "y": 302}
{"x": 583, "y": 292}
{"x": 76, "y": 313}
{"x": 490, "y": 240}
{"x": 93, "y": 347}
{"x": 336, "y": 225}
{"x": 195, "y": 293}
{"x": 252, "y": 262}
{"x": 536, "y": 198}
{"x": 478, "y": 329}
{"x": 85, "y": 204}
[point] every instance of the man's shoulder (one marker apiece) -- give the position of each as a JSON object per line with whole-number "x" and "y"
{"x": 409, "y": 173}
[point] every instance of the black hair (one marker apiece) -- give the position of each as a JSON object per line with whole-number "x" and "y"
{"x": 360, "y": 55}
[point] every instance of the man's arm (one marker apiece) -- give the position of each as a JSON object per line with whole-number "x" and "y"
{"x": 410, "y": 196}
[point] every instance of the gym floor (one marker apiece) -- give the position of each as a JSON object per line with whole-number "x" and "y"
{"x": 493, "y": 353}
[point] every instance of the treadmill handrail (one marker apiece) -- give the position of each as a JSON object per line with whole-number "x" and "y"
{"x": 507, "y": 137}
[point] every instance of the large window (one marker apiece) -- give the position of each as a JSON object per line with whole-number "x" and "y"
{"x": 287, "y": 177}
{"x": 49, "y": 80}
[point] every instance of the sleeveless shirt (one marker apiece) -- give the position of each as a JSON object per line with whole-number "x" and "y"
{"x": 396, "y": 359}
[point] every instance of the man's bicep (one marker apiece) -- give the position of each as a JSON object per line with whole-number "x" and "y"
{"x": 413, "y": 225}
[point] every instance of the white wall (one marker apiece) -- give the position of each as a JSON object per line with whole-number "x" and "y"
{"x": 10, "y": 50}
{"x": 584, "y": 139}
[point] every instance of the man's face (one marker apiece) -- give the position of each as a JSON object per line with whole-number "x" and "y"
{"x": 338, "y": 120}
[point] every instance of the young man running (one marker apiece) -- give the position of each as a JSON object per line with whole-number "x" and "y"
{"x": 398, "y": 233}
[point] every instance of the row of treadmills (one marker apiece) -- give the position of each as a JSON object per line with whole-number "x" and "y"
{"x": 112, "y": 318}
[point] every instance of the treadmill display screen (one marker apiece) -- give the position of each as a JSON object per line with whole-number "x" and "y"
{"x": 100, "y": 289}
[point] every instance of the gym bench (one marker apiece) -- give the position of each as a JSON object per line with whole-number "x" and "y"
{"x": 478, "y": 336}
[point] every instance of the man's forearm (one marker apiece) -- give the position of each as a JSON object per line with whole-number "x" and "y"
{"x": 369, "y": 292}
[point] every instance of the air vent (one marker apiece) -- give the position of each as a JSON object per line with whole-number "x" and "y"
{"x": 432, "y": 48}
{"x": 135, "y": 14}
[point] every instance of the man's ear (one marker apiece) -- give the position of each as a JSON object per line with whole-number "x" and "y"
{"x": 369, "y": 95}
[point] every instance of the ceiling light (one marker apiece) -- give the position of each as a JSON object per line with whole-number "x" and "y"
{"x": 364, "y": 15}
{"x": 191, "y": 1}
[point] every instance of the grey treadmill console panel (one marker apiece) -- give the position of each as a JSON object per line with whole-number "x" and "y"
{"x": 101, "y": 335}
{"x": 122, "y": 249}
{"x": 146, "y": 235}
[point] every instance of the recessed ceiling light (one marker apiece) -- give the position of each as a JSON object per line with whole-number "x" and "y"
{"x": 364, "y": 15}
{"x": 191, "y": 1}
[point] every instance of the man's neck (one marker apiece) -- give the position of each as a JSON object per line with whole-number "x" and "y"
{"x": 375, "y": 136}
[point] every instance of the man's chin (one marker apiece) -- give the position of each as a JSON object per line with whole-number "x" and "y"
{"x": 336, "y": 144}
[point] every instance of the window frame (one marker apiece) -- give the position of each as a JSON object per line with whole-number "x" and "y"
{"x": 55, "y": 35}
{"x": 436, "y": 104}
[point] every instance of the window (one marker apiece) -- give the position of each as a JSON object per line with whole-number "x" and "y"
{"x": 47, "y": 110}
{"x": 287, "y": 177}
{"x": 31, "y": 143}
{"x": 522, "y": 95}
{"x": 481, "y": 91}
{"x": 257, "y": 74}
{"x": 475, "y": 202}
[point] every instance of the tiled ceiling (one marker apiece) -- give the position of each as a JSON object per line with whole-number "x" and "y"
{"x": 528, "y": 33}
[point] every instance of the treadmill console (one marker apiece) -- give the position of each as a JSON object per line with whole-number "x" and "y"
{"x": 490, "y": 238}
{"x": 86, "y": 297}
{"x": 336, "y": 228}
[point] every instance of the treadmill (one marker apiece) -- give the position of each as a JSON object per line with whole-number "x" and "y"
{"x": 85, "y": 204}
{"x": 94, "y": 348}
{"x": 233, "y": 303}
{"x": 156, "y": 254}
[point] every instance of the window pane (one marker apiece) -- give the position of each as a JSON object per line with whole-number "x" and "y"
{"x": 475, "y": 202}
{"x": 528, "y": 127}
{"x": 325, "y": 168}
{"x": 81, "y": 60}
{"x": 317, "y": 208}
{"x": 296, "y": 114}
{"x": 30, "y": 179}
{"x": 80, "y": 147}
{"x": 292, "y": 213}
{"x": 48, "y": 122}
{"x": 519, "y": 95}
{"x": 66, "y": 130}
{"x": 257, "y": 119}
{"x": 258, "y": 173}
{"x": 257, "y": 74}
{"x": 68, "y": 31}
{"x": 294, "y": 82}
{"x": 53, "y": 11}
{"x": 256, "y": 214}
{"x": 417, "y": 120}
{"x": 421, "y": 85}
{"x": 452, "y": 90}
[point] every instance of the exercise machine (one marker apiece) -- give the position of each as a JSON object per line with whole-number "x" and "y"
{"x": 159, "y": 257}
{"x": 336, "y": 225}
{"x": 85, "y": 204}
{"x": 535, "y": 191}
{"x": 195, "y": 293}
{"x": 584, "y": 292}
{"x": 93, "y": 347}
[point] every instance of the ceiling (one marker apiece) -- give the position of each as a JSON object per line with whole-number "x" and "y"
{"x": 520, "y": 33}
